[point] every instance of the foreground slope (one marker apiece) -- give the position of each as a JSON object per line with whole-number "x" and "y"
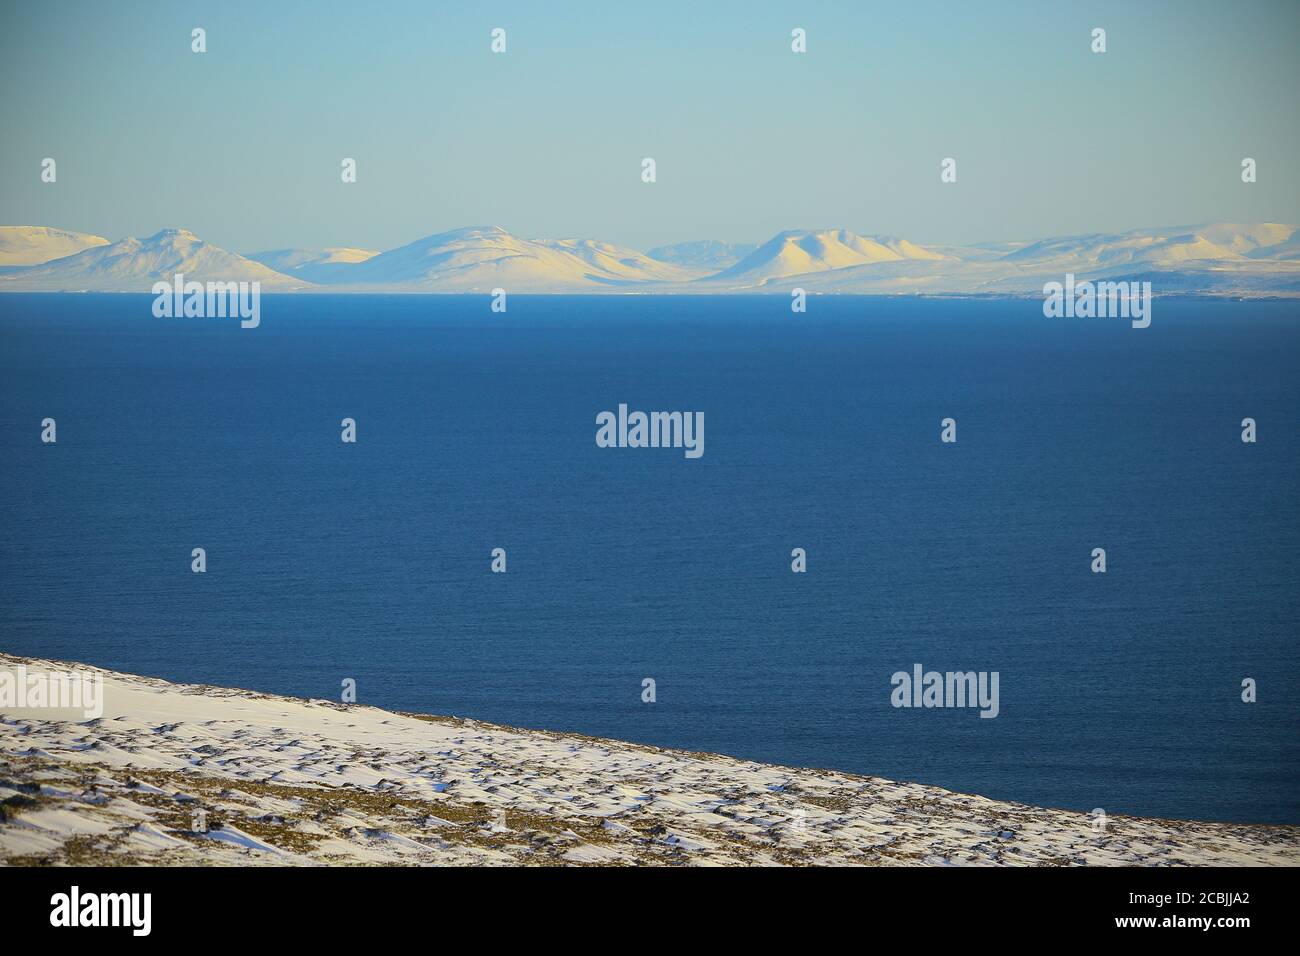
{"x": 288, "y": 781}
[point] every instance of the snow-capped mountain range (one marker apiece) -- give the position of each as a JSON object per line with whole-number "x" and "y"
{"x": 1219, "y": 258}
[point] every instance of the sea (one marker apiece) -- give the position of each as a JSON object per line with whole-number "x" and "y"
{"x": 371, "y": 561}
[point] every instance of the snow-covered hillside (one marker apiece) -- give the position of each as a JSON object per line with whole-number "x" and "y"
{"x": 33, "y": 245}
{"x": 133, "y": 265}
{"x": 798, "y": 252}
{"x": 288, "y": 782}
{"x": 487, "y": 257}
{"x": 321, "y": 266}
{"x": 707, "y": 254}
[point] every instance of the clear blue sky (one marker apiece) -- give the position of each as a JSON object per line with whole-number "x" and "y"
{"x": 243, "y": 144}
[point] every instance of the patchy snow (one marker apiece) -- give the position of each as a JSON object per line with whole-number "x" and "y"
{"x": 283, "y": 780}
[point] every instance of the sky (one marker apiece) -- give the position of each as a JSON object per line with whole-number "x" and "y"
{"x": 243, "y": 144}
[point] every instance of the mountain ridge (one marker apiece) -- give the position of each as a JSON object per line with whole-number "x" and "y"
{"x": 1218, "y": 258}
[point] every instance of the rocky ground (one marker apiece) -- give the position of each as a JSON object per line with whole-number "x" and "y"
{"x": 176, "y": 774}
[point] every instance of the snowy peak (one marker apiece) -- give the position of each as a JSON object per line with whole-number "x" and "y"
{"x": 797, "y": 252}
{"x": 482, "y": 258}
{"x": 1221, "y": 242}
{"x": 703, "y": 254}
{"x": 1106, "y": 250}
{"x": 1247, "y": 239}
{"x": 133, "y": 265}
{"x": 33, "y": 245}
{"x": 322, "y": 266}
{"x": 625, "y": 264}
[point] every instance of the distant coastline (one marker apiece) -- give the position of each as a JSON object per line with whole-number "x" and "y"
{"x": 1227, "y": 259}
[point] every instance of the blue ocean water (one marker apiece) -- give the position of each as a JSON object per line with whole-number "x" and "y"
{"x": 477, "y": 430}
